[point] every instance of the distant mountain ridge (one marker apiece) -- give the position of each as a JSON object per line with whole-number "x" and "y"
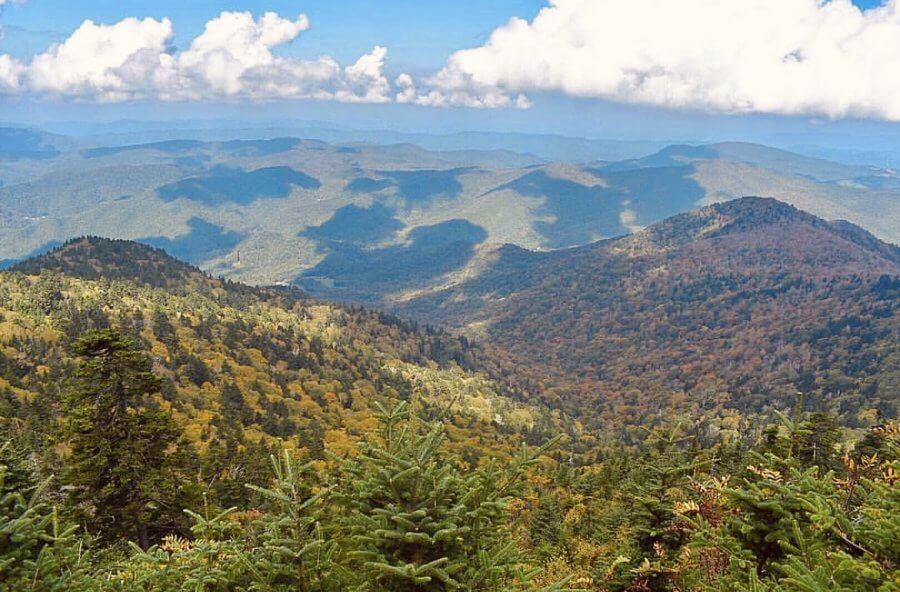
{"x": 290, "y": 210}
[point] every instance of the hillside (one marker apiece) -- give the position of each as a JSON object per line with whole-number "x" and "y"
{"x": 95, "y": 258}
{"x": 292, "y": 210}
{"x": 739, "y": 304}
{"x": 245, "y": 368}
{"x": 249, "y": 438}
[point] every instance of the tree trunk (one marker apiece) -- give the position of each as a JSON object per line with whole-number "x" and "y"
{"x": 143, "y": 536}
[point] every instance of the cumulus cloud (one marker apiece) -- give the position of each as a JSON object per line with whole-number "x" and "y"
{"x": 98, "y": 60}
{"x": 824, "y": 57}
{"x": 10, "y": 73}
{"x": 233, "y": 58}
{"x": 364, "y": 81}
{"x": 407, "y": 88}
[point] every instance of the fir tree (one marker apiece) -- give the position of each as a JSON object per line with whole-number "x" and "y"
{"x": 127, "y": 470}
{"x": 417, "y": 522}
{"x": 38, "y": 549}
{"x": 293, "y": 554}
{"x": 788, "y": 528}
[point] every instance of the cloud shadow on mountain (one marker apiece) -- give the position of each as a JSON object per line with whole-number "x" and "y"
{"x": 657, "y": 193}
{"x": 354, "y": 273}
{"x": 580, "y": 212}
{"x": 368, "y": 185}
{"x": 357, "y": 225}
{"x": 226, "y": 184}
{"x": 203, "y": 242}
{"x": 618, "y": 201}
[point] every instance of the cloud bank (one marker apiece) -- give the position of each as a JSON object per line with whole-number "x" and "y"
{"x": 232, "y": 59}
{"x": 794, "y": 57}
{"x": 773, "y": 56}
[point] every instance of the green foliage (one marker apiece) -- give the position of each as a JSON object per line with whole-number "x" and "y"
{"x": 418, "y": 521}
{"x": 657, "y": 483}
{"x": 212, "y": 561}
{"x": 805, "y": 529}
{"x": 38, "y": 549}
{"x": 128, "y": 456}
{"x": 292, "y": 551}
{"x": 545, "y": 527}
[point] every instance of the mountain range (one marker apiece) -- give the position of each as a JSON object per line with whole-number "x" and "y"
{"x": 293, "y": 211}
{"x": 728, "y": 309}
{"x": 621, "y": 397}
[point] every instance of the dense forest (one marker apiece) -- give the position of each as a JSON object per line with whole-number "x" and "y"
{"x": 163, "y": 430}
{"x": 732, "y": 307}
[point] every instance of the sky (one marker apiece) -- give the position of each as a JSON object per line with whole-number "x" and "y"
{"x": 698, "y": 69}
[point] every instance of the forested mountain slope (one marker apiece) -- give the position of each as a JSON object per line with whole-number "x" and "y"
{"x": 255, "y": 439}
{"x": 739, "y": 304}
{"x": 245, "y": 368}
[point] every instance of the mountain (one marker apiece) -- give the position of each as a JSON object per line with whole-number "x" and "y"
{"x": 96, "y": 258}
{"x": 544, "y": 147}
{"x": 778, "y": 161}
{"x": 734, "y": 305}
{"x": 246, "y": 370}
{"x": 30, "y": 144}
{"x": 254, "y": 438}
{"x": 287, "y": 210}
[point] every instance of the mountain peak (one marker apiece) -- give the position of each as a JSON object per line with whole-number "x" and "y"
{"x": 762, "y": 215}
{"x": 753, "y": 211}
{"x": 94, "y": 257}
{"x": 704, "y": 303}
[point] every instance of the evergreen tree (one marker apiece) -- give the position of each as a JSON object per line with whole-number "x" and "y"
{"x": 127, "y": 470}
{"x": 38, "y": 549}
{"x": 292, "y": 554}
{"x": 212, "y": 561}
{"x": 788, "y": 528}
{"x": 658, "y": 482}
{"x": 545, "y": 527}
{"x": 417, "y": 522}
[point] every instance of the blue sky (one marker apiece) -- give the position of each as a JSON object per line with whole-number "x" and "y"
{"x": 420, "y": 33}
{"x": 420, "y": 37}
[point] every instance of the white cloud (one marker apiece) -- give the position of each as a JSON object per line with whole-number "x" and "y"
{"x": 364, "y": 81}
{"x": 407, "y": 87}
{"x": 777, "y": 56}
{"x": 235, "y": 49}
{"x": 821, "y": 57}
{"x": 234, "y": 58}
{"x": 10, "y": 73}
{"x": 102, "y": 61}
